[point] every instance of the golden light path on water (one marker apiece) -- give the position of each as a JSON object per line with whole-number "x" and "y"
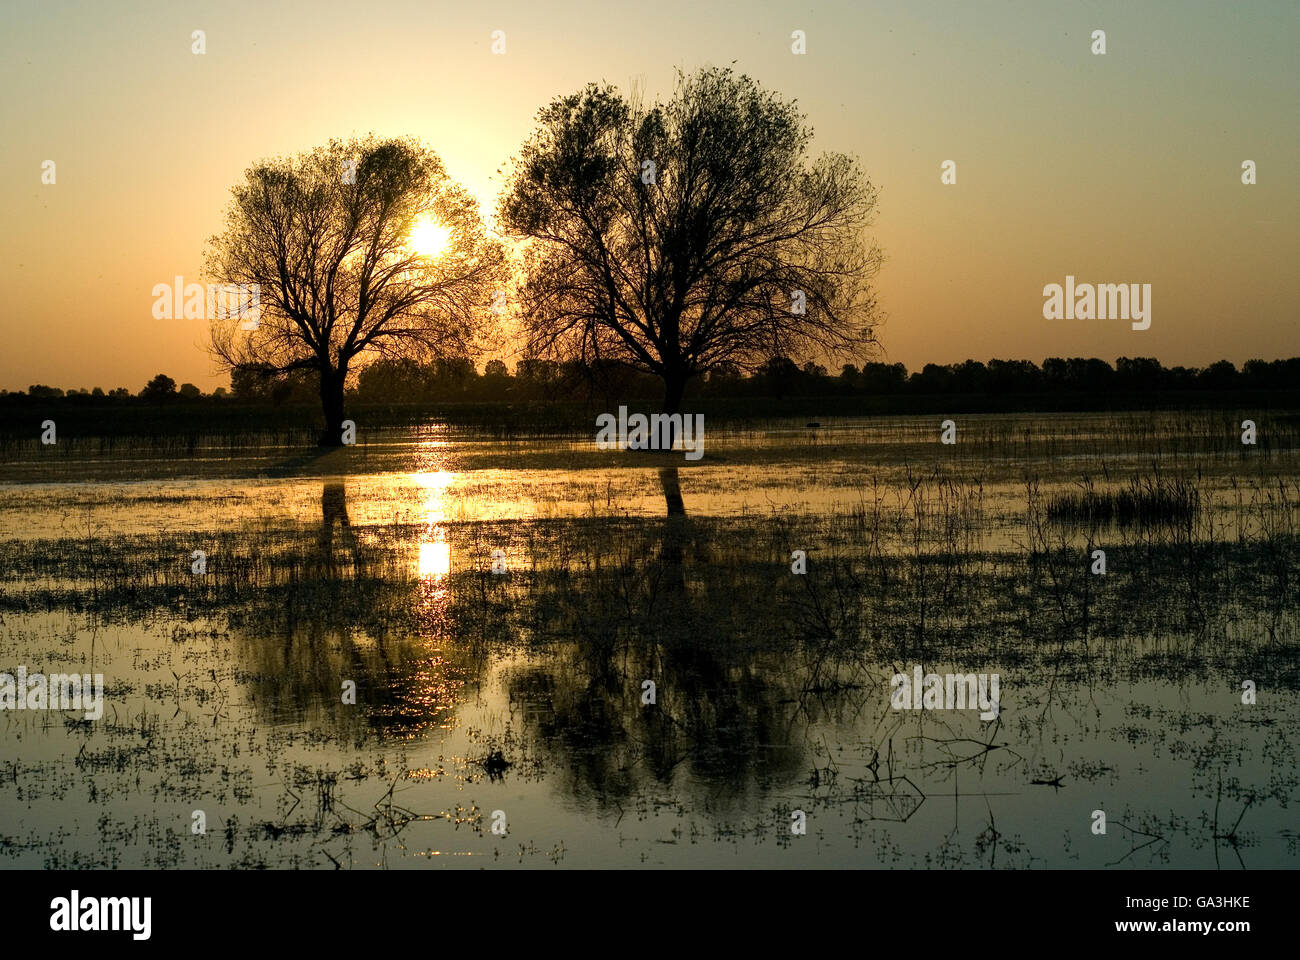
{"x": 434, "y": 561}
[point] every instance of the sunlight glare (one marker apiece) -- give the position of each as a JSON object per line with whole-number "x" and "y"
{"x": 434, "y": 561}
{"x": 430, "y": 238}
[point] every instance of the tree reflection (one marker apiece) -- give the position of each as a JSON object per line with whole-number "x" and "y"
{"x": 672, "y": 487}
{"x": 333, "y": 612}
{"x": 334, "y": 513}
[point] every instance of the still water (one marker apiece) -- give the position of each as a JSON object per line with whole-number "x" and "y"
{"x": 391, "y": 649}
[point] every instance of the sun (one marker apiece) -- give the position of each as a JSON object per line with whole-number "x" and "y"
{"x": 430, "y": 238}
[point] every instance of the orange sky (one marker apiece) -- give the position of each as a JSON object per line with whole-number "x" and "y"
{"x": 1116, "y": 168}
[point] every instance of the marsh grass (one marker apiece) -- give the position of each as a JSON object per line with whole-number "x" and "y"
{"x": 230, "y": 685}
{"x": 238, "y": 441}
{"x": 1146, "y": 500}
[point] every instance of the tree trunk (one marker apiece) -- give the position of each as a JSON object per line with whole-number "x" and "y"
{"x": 672, "y": 487}
{"x": 674, "y": 389}
{"x": 331, "y": 398}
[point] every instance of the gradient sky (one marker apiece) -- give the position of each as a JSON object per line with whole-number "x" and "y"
{"x": 1116, "y": 168}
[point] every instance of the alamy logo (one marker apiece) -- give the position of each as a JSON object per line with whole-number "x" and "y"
{"x": 102, "y": 913}
{"x": 59, "y": 691}
{"x": 216, "y": 301}
{"x": 659, "y": 431}
{"x": 1101, "y": 301}
{"x": 947, "y": 691}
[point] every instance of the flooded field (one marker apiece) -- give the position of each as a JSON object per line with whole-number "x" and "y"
{"x": 372, "y": 657}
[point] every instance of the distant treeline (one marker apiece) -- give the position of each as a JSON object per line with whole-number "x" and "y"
{"x": 405, "y": 381}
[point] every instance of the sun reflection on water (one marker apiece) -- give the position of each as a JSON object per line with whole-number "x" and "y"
{"x": 435, "y": 559}
{"x": 434, "y": 562}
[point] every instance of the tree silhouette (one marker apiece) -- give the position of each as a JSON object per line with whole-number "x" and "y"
{"x": 161, "y": 387}
{"x": 678, "y": 237}
{"x": 326, "y": 237}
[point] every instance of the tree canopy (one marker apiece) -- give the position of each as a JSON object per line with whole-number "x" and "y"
{"x": 684, "y": 235}
{"x": 329, "y": 241}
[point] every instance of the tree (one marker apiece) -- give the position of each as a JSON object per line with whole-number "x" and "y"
{"x": 400, "y": 380}
{"x": 1138, "y": 373}
{"x": 190, "y": 392}
{"x": 781, "y": 374}
{"x": 884, "y": 377}
{"x": 451, "y": 376}
{"x": 251, "y": 381}
{"x": 680, "y": 236}
{"x": 161, "y": 387}
{"x": 541, "y": 372}
{"x": 336, "y": 241}
{"x": 1220, "y": 375}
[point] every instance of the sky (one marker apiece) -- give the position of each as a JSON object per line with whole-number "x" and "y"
{"x": 1117, "y": 168}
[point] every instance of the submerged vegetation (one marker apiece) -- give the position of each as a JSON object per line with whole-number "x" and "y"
{"x": 524, "y": 690}
{"x": 1146, "y": 500}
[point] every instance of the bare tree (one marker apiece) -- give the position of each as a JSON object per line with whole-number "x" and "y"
{"x": 682, "y": 236}
{"x": 327, "y": 237}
